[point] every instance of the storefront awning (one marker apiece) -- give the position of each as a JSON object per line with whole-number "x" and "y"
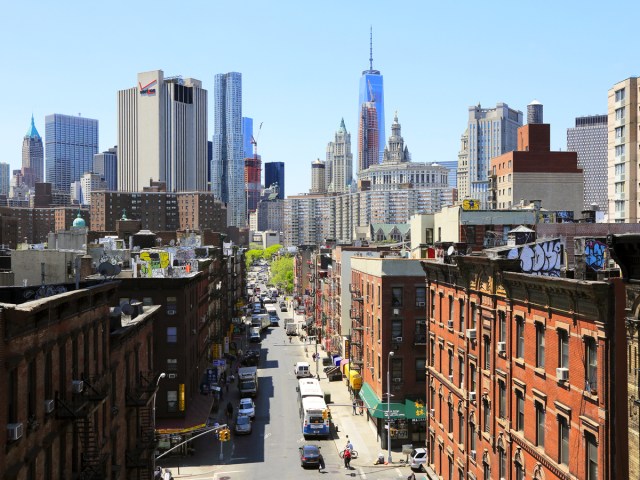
{"x": 409, "y": 410}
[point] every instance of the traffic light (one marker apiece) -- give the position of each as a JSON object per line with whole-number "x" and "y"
{"x": 224, "y": 435}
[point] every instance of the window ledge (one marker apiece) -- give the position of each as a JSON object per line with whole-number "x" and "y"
{"x": 502, "y": 422}
{"x": 540, "y": 372}
{"x": 450, "y": 436}
{"x": 519, "y": 362}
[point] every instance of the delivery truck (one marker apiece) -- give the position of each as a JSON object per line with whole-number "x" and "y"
{"x": 248, "y": 381}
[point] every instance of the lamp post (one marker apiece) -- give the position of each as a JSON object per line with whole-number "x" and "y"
{"x": 389, "y": 405}
{"x": 153, "y": 416}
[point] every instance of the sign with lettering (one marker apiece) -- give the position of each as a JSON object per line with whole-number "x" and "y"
{"x": 149, "y": 89}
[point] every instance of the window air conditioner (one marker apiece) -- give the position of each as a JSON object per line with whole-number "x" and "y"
{"x": 502, "y": 347}
{"x": 562, "y": 374}
{"x": 397, "y": 380}
{"x": 172, "y": 375}
{"x": 421, "y": 304}
{"x": 472, "y": 396}
{"x": 473, "y": 454}
{"x": 433, "y": 412}
{"x": 14, "y": 431}
{"x": 77, "y": 386}
{"x": 471, "y": 333}
{"x": 396, "y": 311}
{"x": 49, "y": 406}
{"x": 451, "y": 378}
{"x": 450, "y": 324}
{"x": 398, "y": 339}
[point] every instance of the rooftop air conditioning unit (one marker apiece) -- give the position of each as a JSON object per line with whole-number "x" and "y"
{"x": 397, "y": 380}
{"x": 14, "y": 431}
{"x": 471, "y": 333}
{"x": 472, "y": 396}
{"x": 77, "y": 386}
{"x": 398, "y": 339}
{"x": 562, "y": 374}
{"x": 49, "y": 406}
{"x": 421, "y": 304}
{"x": 450, "y": 324}
{"x": 502, "y": 347}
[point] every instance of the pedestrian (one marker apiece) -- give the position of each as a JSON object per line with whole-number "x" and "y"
{"x": 354, "y": 404}
{"x": 320, "y": 463}
{"x": 412, "y": 476}
{"x": 361, "y": 407}
{"x": 347, "y": 458}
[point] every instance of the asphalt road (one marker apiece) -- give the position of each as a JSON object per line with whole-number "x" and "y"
{"x": 271, "y": 450}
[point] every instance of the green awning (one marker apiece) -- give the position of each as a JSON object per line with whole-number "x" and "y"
{"x": 409, "y": 410}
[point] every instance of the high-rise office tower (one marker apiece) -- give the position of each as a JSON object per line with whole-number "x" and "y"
{"x": 368, "y": 135}
{"x": 247, "y": 136}
{"x": 5, "y": 178}
{"x": 490, "y": 132}
{"x": 162, "y": 133}
{"x": 339, "y": 162}
{"x": 452, "y": 165}
{"x": 535, "y": 112}
{"x": 106, "y": 165}
{"x": 622, "y": 142}
{"x": 318, "y": 180}
{"x": 32, "y": 156}
{"x": 227, "y": 167}
{"x": 371, "y": 91}
{"x": 70, "y": 144}
{"x": 274, "y": 173}
{"x": 589, "y": 139}
{"x": 252, "y": 166}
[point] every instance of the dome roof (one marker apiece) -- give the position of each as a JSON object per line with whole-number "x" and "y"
{"x": 79, "y": 222}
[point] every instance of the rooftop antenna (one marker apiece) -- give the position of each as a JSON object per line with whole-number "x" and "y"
{"x": 370, "y": 47}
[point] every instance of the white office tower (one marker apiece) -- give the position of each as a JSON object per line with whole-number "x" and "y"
{"x": 339, "y": 163}
{"x": 227, "y": 165}
{"x": 162, "y": 134}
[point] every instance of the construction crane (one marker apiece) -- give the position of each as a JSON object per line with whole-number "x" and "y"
{"x": 254, "y": 142}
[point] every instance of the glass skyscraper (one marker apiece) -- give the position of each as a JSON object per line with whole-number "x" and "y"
{"x": 70, "y": 144}
{"x": 227, "y": 166}
{"x": 371, "y": 90}
{"x": 247, "y": 135}
{"x": 274, "y": 173}
{"x": 106, "y": 164}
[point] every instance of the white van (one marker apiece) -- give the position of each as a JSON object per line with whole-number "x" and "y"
{"x": 254, "y": 335}
{"x": 301, "y": 370}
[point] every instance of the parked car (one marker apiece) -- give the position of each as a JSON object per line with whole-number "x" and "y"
{"x": 243, "y": 425}
{"x": 247, "y": 407}
{"x": 309, "y": 456}
{"x": 418, "y": 459}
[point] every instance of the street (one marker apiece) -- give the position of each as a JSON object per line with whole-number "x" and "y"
{"x": 271, "y": 450}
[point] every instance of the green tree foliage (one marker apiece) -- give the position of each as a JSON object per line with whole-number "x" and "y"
{"x": 271, "y": 251}
{"x": 251, "y": 256}
{"x": 282, "y": 273}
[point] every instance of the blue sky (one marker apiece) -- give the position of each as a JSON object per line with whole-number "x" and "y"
{"x": 301, "y": 63}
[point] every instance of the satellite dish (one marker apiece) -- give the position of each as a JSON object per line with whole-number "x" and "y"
{"x": 451, "y": 250}
{"x": 106, "y": 269}
{"x": 127, "y": 309}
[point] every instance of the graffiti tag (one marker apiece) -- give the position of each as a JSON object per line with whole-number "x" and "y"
{"x": 595, "y": 254}
{"x": 544, "y": 258}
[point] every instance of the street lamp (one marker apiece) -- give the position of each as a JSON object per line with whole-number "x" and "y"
{"x": 389, "y": 405}
{"x": 153, "y": 414}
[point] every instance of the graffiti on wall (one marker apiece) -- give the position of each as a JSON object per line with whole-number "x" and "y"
{"x": 595, "y": 254}
{"x": 543, "y": 258}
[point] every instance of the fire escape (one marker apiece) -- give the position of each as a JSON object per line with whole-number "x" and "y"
{"x": 357, "y": 330}
{"x": 87, "y": 396}
{"x": 138, "y": 400}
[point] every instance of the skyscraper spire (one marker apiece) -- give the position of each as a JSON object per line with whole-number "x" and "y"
{"x": 370, "y": 48}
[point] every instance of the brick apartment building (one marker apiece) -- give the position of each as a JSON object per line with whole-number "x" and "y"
{"x": 62, "y": 402}
{"x": 388, "y": 334}
{"x": 524, "y": 376}
{"x": 158, "y": 210}
{"x": 33, "y": 225}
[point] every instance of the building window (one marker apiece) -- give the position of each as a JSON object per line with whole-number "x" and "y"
{"x": 563, "y": 349}
{"x": 502, "y": 321}
{"x": 472, "y": 439}
{"x": 502, "y": 463}
{"x": 172, "y": 364}
{"x": 396, "y": 296}
{"x": 396, "y": 329}
{"x": 421, "y": 296}
{"x": 592, "y": 456}
{"x": 461, "y": 372}
{"x": 519, "y": 337}
{"x": 172, "y": 401}
{"x": 31, "y": 394}
{"x": 502, "y": 399}
{"x": 432, "y": 352}
{"x": 460, "y": 428}
{"x": 486, "y": 473}
{"x": 486, "y": 409}
{"x": 450, "y": 430}
{"x": 172, "y": 305}
{"x": 487, "y": 352}
{"x": 519, "y": 410}
{"x": 421, "y": 370}
{"x": 396, "y": 369}
{"x": 451, "y": 303}
{"x": 619, "y": 94}
{"x": 474, "y": 314}
{"x": 592, "y": 365}
{"x": 461, "y": 307}
{"x": 540, "y": 424}
{"x": 450, "y": 353}
{"x": 619, "y": 132}
{"x": 619, "y": 113}
{"x": 540, "y": 345}
{"x": 172, "y": 334}
{"x": 620, "y": 150}
{"x": 519, "y": 472}
{"x": 421, "y": 331}
{"x": 563, "y": 440}
{"x": 433, "y": 304}
{"x": 432, "y": 398}
{"x": 472, "y": 374}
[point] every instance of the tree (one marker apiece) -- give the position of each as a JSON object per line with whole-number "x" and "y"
{"x": 282, "y": 273}
{"x": 271, "y": 251}
{"x": 251, "y": 256}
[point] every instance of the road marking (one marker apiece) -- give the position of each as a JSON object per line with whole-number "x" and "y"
{"x": 400, "y": 474}
{"x": 267, "y": 435}
{"x": 362, "y": 474}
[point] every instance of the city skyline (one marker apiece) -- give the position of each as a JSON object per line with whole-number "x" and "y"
{"x": 425, "y": 77}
